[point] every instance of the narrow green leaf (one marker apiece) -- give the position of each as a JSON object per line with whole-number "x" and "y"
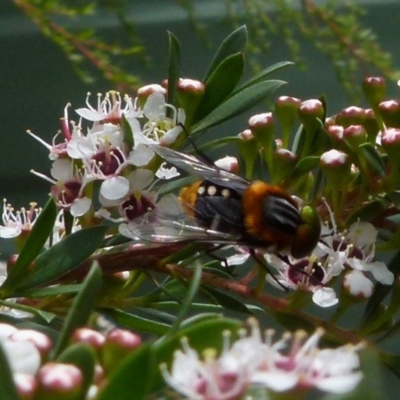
{"x": 80, "y": 310}
{"x": 263, "y": 74}
{"x": 127, "y": 131}
{"x": 226, "y": 300}
{"x": 64, "y": 256}
{"x": 136, "y": 322}
{"x": 40, "y": 232}
{"x": 190, "y": 295}
{"x": 234, "y": 43}
{"x": 220, "y": 84}
{"x": 7, "y": 387}
{"x": 44, "y": 315}
{"x": 238, "y": 104}
{"x": 373, "y": 158}
{"x": 83, "y": 356}
{"x": 304, "y": 166}
{"x": 392, "y": 362}
{"x": 133, "y": 377}
{"x": 52, "y": 291}
{"x": 174, "y": 66}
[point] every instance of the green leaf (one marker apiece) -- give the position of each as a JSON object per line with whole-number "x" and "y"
{"x": 80, "y": 310}
{"x": 220, "y": 84}
{"x": 367, "y": 212}
{"x": 238, "y": 104}
{"x": 41, "y": 230}
{"x": 7, "y": 387}
{"x": 174, "y": 66}
{"x": 44, "y": 315}
{"x": 83, "y": 356}
{"x": 203, "y": 335}
{"x": 392, "y": 362}
{"x": 63, "y": 257}
{"x": 226, "y": 300}
{"x": 133, "y": 377}
{"x": 135, "y": 322}
{"x": 304, "y": 166}
{"x": 373, "y": 158}
{"x": 127, "y": 131}
{"x": 263, "y": 74}
{"x": 53, "y": 290}
{"x": 189, "y": 297}
{"x": 234, "y": 43}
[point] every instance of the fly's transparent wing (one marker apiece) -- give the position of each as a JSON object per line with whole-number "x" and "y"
{"x": 168, "y": 223}
{"x": 194, "y": 165}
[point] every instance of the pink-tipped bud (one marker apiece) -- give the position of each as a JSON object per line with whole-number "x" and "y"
{"x": 312, "y": 107}
{"x": 190, "y": 86}
{"x": 374, "y": 88}
{"x": 246, "y": 135}
{"x": 144, "y": 92}
{"x": 329, "y": 122}
{"x": 124, "y": 339}
{"x": 26, "y": 386}
{"x": 228, "y": 163}
{"x": 350, "y": 116}
{"x": 119, "y": 344}
{"x": 336, "y": 132}
{"x": 89, "y": 336}
{"x": 189, "y": 93}
{"x": 59, "y": 381}
{"x": 354, "y": 135}
{"x": 390, "y": 137}
{"x": 39, "y": 339}
{"x": 262, "y": 126}
{"x": 334, "y": 158}
{"x": 390, "y": 113}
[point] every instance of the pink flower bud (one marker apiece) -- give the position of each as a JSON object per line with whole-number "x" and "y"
{"x": 374, "y": 89}
{"x": 60, "y": 381}
{"x": 390, "y": 137}
{"x": 312, "y": 107}
{"x": 334, "y": 158}
{"x": 26, "y": 386}
{"x": 39, "y": 339}
{"x": 145, "y": 91}
{"x": 228, "y": 163}
{"x": 336, "y": 132}
{"x": 89, "y": 336}
{"x": 350, "y": 116}
{"x": 124, "y": 339}
{"x": 246, "y": 135}
{"x": 261, "y": 121}
{"x": 190, "y": 86}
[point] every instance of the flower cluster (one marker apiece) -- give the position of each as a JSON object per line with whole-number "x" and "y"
{"x": 108, "y": 157}
{"x": 293, "y": 363}
{"x": 36, "y": 377}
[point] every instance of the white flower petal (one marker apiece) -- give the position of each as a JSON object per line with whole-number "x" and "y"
{"x": 154, "y": 109}
{"x": 166, "y": 173}
{"x": 381, "y": 272}
{"x": 171, "y": 136}
{"x": 9, "y": 232}
{"x": 236, "y": 259}
{"x": 325, "y": 297}
{"x": 90, "y": 115}
{"x": 362, "y": 234}
{"x": 80, "y": 206}
{"x": 62, "y": 169}
{"x": 139, "y": 179}
{"x": 115, "y": 188}
{"x": 23, "y": 357}
{"x": 278, "y": 381}
{"x": 140, "y": 156}
{"x": 339, "y": 384}
{"x": 357, "y": 284}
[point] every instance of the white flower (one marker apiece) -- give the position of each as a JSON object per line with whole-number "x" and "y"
{"x": 292, "y": 362}
{"x": 17, "y": 222}
{"x": 109, "y": 109}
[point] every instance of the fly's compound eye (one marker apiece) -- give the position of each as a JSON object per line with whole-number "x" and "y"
{"x": 308, "y": 233}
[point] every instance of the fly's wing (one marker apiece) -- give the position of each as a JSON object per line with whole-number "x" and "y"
{"x": 168, "y": 223}
{"x": 194, "y": 165}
